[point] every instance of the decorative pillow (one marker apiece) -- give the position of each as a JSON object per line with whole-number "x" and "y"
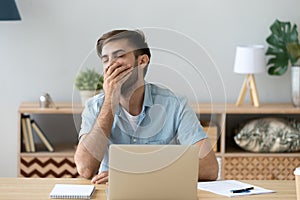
{"x": 269, "y": 135}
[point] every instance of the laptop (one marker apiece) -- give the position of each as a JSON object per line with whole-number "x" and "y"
{"x": 156, "y": 172}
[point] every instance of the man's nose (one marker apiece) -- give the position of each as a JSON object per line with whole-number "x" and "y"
{"x": 112, "y": 61}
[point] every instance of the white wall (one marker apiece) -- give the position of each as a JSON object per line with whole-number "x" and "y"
{"x": 44, "y": 51}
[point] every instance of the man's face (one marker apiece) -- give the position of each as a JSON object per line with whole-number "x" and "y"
{"x": 117, "y": 51}
{"x": 121, "y": 51}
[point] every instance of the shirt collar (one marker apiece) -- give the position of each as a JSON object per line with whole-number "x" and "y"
{"x": 148, "y": 101}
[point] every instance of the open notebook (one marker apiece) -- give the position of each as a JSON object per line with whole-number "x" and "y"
{"x": 72, "y": 191}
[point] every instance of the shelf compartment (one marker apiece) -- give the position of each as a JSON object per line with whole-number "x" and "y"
{"x": 234, "y": 122}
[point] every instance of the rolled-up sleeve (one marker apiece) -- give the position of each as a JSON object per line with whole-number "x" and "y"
{"x": 189, "y": 129}
{"x": 89, "y": 114}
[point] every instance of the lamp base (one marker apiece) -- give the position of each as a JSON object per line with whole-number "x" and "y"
{"x": 249, "y": 82}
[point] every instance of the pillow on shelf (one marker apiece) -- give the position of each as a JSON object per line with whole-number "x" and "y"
{"x": 269, "y": 135}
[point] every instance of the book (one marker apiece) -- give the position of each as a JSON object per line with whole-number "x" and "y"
{"x": 231, "y": 188}
{"x": 69, "y": 191}
{"x": 25, "y": 133}
{"x": 41, "y": 135}
{"x": 30, "y": 136}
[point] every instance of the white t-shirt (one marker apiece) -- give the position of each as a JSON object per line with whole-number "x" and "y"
{"x": 133, "y": 120}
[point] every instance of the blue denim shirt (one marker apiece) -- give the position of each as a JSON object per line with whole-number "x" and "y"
{"x": 165, "y": 119}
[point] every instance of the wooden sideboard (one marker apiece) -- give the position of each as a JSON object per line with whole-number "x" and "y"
{"x": 235, "y": 163}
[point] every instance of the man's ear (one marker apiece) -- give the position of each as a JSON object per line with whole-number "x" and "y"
{"x": 143, "y": 60}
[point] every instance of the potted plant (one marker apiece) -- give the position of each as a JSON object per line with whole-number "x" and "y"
{"x": 89, "y": 83}
{"x": 284, "y": 51}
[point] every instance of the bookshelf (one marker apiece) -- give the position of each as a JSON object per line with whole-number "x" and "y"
{"x": 60, "y": 126}
{"x": 235, "y": 163}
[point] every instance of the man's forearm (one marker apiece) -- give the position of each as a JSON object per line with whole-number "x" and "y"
{"x": 92, "y": 146}
{"x": 90, "y": 152}
{"x": 87, "y": 166}
{"x": 208, "y": 165}
{"x": 208, "y": 168}
{"x": 96, "y": 141}
{"x": 105, "y": 118}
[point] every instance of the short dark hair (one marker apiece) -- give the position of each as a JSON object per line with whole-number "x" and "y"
{"x": 136, "y": 38}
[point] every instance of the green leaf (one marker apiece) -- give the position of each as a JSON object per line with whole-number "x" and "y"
{"x": 294, "y": 50}
{"x": 276, "y": 70}
{"x": 273, "y": 51}
{"x": 282, "y": 33}
{"x": 275, "y": 41}
{"x": 89, "y": 79}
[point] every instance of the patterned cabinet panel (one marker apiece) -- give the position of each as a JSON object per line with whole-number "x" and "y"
{"x": 260, "y": 168}
{"x": 57, "y": 167}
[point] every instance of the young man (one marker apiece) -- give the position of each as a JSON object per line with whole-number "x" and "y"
{"x": 132, "y": 111}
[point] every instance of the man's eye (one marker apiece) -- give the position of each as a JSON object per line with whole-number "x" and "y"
{"x": 104, "y": 60}
{"x": 120, "y": 55}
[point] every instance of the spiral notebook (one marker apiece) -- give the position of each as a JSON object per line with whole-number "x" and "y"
{"x": 72, "y": 191}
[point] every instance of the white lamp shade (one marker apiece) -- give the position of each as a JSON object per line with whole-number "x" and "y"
{"x": 250, "y": 59}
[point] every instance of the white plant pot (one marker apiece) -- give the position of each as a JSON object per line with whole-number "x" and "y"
{"x": 87, "y": 94}
{"x": 295, "y": 85}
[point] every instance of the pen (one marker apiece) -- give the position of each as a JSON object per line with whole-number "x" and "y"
{"x": 242, "y": 190}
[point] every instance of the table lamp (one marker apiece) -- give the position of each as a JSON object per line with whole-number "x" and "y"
{"x": 249, "y": 60}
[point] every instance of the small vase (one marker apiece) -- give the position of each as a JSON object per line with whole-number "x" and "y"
{"x": 295, "y": 85}
{"x": 86, "y": 94}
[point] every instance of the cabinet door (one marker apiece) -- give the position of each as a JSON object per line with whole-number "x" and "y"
{"x": 260, "y": 167}
{"x": 31, "y": 166}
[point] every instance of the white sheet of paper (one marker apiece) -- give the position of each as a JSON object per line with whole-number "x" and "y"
{"x": 224, "y": 188}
